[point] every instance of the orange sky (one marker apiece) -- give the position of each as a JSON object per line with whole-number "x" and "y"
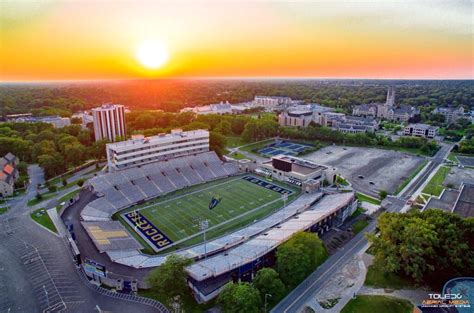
{"x": 59, "y": 40}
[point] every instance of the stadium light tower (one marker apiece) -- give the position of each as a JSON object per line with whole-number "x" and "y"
{"x": 285, "y": 198}
{"x": 203, "y": 225}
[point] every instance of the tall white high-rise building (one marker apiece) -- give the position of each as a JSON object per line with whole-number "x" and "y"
{"x": 109, "y": 122}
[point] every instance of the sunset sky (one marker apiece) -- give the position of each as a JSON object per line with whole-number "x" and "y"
{"x": 92, "y": 39}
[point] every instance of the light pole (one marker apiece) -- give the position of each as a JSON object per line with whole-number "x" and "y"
{"x": 266, "y": 295}
{"x": 204, "y": 224}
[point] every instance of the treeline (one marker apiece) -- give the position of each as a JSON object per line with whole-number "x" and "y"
{"x": 172, "y": 95}
{"x": 260, "y": 127}
{"x": 55, "y": 150}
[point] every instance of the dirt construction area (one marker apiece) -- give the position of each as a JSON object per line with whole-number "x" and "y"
{"x": 369, "y": 170}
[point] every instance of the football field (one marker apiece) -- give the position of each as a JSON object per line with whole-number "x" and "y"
{"x": 242, "y": 200}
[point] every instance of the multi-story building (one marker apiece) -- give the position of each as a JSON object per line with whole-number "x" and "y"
{"x": 85, "y": 118}
{"x": 349, "y": 124}
{"x": 297, "y": 171}
{"x": 56, "y": 121}
{"x": 303, "y": 115}
{"x": 271, "y": 101}
{"x": 301, "y": 118}
{"x": 8, "y": 174}
{"x": 142, "y": 150}
{"x": 451, "y": 115}
{"x": 402, "y": 113}
{"x": 420, "y": 130}
{"x": 217, "y": 108}
{"x": 386, "y": 110}
{"x": 109, "y": 122}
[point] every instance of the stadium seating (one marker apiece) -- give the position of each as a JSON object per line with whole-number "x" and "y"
{"x": 119, "y": 190}
{"x": 176, "y": 178}
{"x": 162, "y": 182}
{"x": 147, "y": 186}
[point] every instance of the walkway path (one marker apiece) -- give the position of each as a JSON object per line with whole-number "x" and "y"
{"x": 415, "y": 296}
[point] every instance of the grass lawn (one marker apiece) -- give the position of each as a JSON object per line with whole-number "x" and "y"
{"x": 3, "y": 210}
{"x": 435, "y": 185}
{"x": 45, "y": 196}
{"x": 237, "y": 156}
{"x": 412, "y": 175}
{"x": 178, "y": 214}
{"x": 232, "y": 142}
{"x": 66, "y": 198}
{"x": 452, "y": 157}
{"x": 377, "y": 277}
{"x": 340, "y": 180}
{"x": 41, "y": 217}
{"x": 358, "y": 226}
{"x": 253, "y": 147}
{"x": 358, "y": 212}
{"x": 69, "y": 195}
{"x": 366, "y": 304}
{"x": 366, "y": 198}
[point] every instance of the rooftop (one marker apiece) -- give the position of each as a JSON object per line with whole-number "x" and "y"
{"x": 300, "y": 166}
{"x": 107, "y": 106}
{"x": 162, "y": 138}
{"x": 422, "y": 126}
{"x": 269, "y": 240}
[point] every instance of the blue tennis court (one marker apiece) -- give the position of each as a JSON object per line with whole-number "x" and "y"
{"x": 284, "y": 147}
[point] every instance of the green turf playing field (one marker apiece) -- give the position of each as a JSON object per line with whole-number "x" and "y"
{"x": 242, "y": 201}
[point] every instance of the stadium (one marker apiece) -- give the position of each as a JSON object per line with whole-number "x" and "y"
{"x": 227, "y": 216}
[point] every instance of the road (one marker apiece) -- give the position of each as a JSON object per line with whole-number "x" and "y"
{"x": 300, "y": 295}
{"x": 296, "y": 300}
{"x": 436, "y": 160}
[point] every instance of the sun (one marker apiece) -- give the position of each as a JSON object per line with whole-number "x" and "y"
{"x": 152, "y": 54}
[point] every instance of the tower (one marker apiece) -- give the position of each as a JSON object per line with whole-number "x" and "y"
{"x": 109, "y": 122}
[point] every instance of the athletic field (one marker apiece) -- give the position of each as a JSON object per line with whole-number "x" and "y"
{"x": 242, "y": 200}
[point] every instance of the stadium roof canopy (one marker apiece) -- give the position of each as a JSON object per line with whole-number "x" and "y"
{"x": 269, "y": 240}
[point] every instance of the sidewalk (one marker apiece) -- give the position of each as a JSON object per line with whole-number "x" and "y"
{"x": 343, "y": 285}
{"x": 415, "y": 296}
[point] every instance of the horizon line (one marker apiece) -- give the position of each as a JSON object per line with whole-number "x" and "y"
{"x": 98, "y": 80}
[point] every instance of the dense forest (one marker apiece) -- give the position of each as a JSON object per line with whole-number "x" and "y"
{"x": 172, "y": 95}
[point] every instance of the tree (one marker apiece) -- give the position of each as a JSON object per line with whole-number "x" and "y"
{"x": 224, "y": 127}
{"x": 383, "y": 194}
{"x": 80, "y": 182}
{"x": 145, "y": 120}
{"x": 312, "y": 246}
{"x": 292, "y": 264}
{"x": 298, "y": 257}
{"x": 53, "y": 164}
{"x": 217, "y": 143}
{"x": 75, "y": 153}
{"x": 432, "y": 245}
{"x": 64, "y": 182}
{"x": 267, "y": 281}
{"x": 169, "y": 279}
{"x": 239, "y": 298}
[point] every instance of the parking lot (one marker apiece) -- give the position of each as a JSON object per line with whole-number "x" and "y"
{"x": 458, "y": 175}
{"x": 368, "y": 169}
{"x": 49, "y": 285}
{"x": 465, "y": 161}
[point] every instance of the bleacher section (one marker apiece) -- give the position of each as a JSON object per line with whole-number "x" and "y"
{"x": 122, "y": 189}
